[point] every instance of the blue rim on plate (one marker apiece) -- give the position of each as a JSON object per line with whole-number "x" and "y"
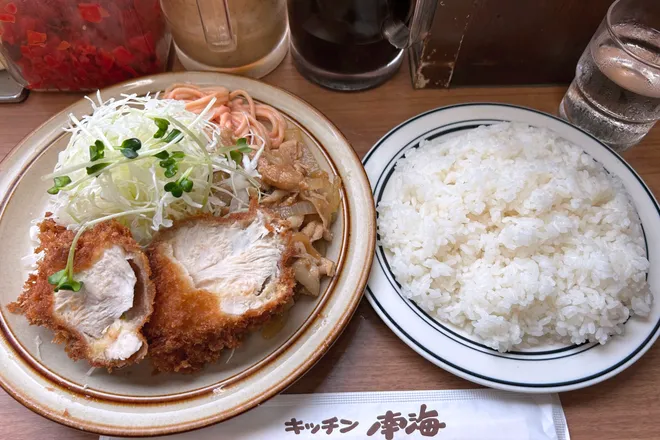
{"x": 550, "y": 369}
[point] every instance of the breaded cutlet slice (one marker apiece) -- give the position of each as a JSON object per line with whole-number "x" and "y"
{"x": 216, "y": 279}
{"x": 103, "y": 321}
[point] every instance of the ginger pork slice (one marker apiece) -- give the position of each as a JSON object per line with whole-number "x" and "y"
{"x": 103, "y": 321}
{"x": 216, "y": 279}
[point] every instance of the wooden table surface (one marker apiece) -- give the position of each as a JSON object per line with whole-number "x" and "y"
{"x": 625, "y": 407}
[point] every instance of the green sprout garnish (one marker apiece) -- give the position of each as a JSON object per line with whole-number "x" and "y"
{"x": 177, "y": 188}
{"x": 132, "y": 143}
{"x": 174, "y": 188}
{"x": 173, "y": 135}
{"x": 171, "y": 168}
{"x": 63, "y": 280}
{"x": 130, "y": 147}
{"x": 169, "y": 162}
{"x": 186, "y": 184}
{"x": 163, "y": 125}
{"x": 96, "y": 151}
{"x": 171, "y": 171}
{"x": 60, "y": 182}
{"x": 129, "y": 154}
{"x": 236, "y": 154}
{"x": 177, "y": 155}
{"x": 96, "y": 168}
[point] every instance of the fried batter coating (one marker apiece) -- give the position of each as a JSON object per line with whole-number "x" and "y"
{"x": 102, "y": 322}
{"x": 216, "y": 279}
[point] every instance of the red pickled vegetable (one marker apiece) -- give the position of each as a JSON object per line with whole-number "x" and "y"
{"x": 92, "y": 12}
{"x": 36, "y": 38}
{"x": 27, "y": 23}
{"x": 11, "y": 8}
{"x": 51, "y": 61}
{"x": 74, "y": 45}
{"x": 122, "y": 55}
{"x": 105, "y": 60}
{"x": 143, "y": 43}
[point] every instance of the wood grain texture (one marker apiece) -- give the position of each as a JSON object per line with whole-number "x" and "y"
{"x": 368, "y": 356}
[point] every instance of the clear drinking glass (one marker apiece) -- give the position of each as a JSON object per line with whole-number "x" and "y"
{"x": 615, "y": 95}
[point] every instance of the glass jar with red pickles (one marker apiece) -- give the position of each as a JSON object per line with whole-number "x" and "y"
{"x": 72, "y": 45}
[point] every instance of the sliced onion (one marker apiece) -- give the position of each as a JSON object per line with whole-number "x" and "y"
{"x": 302, "y": 238}
{"x": 275, "y": 196}
{"x": 292, "y": 134}
{"x": 307, "y": 275}
{"x": 317, "y": 183}
{"x": 296, "y": 221}
{"x": 321, "y": 206}
{"x": 308, "y": 160}
{"x": 300, "y": 208}
{"x": 324, "y": 195}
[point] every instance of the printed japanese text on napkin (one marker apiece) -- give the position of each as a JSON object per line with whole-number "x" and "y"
{"x": 460, "y": 414}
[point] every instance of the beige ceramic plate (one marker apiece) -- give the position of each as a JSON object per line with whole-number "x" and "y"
{"x": 133, "y": 401}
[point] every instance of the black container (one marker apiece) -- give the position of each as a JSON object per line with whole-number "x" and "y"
{"x": 349, "y": 44}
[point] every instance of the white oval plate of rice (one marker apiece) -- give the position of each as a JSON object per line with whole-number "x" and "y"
{"x": 508, "y": 256}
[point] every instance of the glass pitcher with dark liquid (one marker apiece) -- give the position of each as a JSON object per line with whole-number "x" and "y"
{"x": 355, "y": 44}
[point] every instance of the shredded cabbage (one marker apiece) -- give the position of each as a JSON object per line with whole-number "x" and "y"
{"x": 136, "y": 186}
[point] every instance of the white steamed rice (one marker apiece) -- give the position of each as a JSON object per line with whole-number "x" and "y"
{"x": 516, "y": 236}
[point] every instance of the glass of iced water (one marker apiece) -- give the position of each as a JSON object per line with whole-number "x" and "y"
{"x": 615, "y": 95}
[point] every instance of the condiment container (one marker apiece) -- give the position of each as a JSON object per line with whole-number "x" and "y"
{"x": 244, "y": 37}
{"x": 355, "y": 44}
{"x": 71, "y": 45}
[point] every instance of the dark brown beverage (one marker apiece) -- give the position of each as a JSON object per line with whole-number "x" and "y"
{"x": 340, "y": 43}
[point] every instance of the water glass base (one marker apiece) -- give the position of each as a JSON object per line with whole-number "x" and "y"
{"x": 618, "y": 134}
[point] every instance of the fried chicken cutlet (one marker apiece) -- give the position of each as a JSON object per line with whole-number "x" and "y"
{"x": 216, "y": 279}
{"x": 101, "y": 322}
